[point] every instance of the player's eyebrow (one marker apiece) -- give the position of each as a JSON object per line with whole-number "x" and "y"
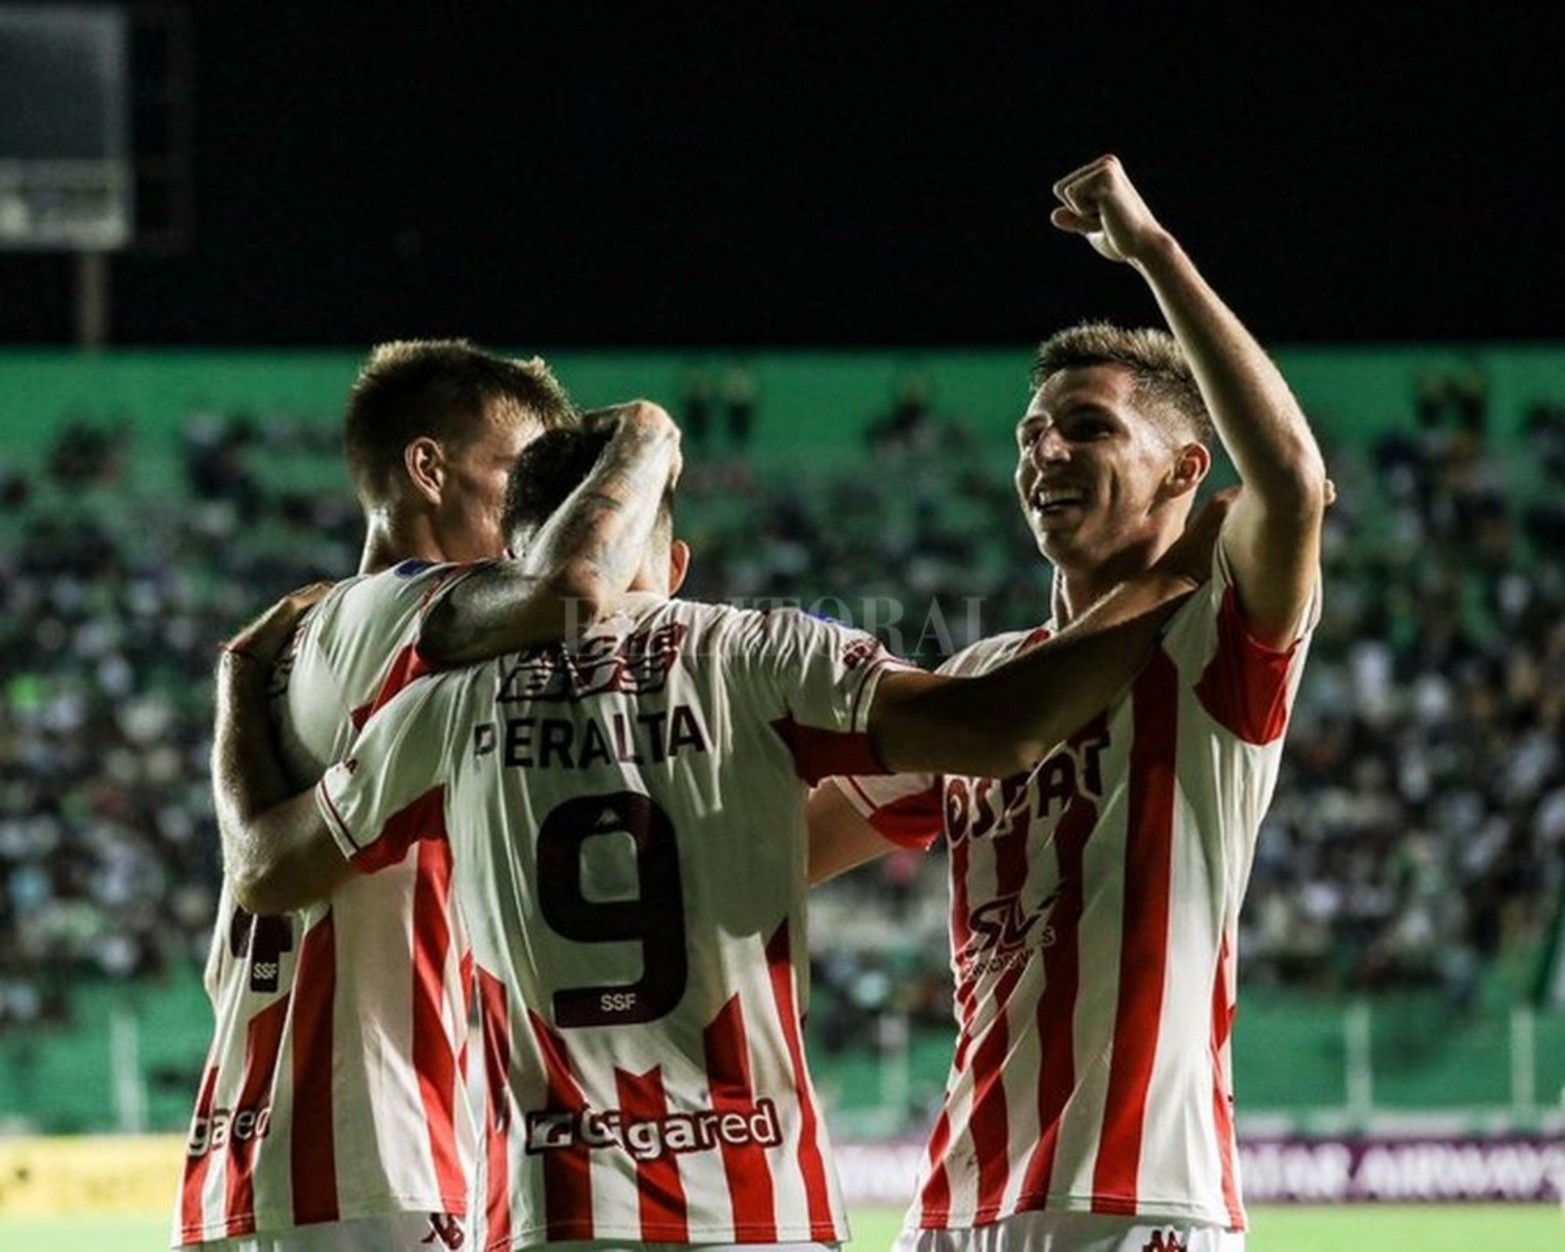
{"x": 1080, "y": 408}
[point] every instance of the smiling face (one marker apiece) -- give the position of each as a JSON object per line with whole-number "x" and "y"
{"x": 1094, "y": 470}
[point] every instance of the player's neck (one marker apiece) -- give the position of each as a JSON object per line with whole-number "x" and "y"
{"x": 1077, "y": 587}
{"x": 650, "y": 582}
{"x": 390, "y": 539}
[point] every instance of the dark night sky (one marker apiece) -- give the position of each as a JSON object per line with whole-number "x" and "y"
{"x": 605, "y": 174}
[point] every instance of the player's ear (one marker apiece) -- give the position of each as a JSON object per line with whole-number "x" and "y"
{"x": 1191, "y": 466}
{"x": 678, "y": 565}
{"x": 424, "y": 461}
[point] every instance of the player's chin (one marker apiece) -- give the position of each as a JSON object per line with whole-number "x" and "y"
{"x": 1055, "y": 522}
{"x": 1059, "y": 540}
{"x": 1052, "y": 545}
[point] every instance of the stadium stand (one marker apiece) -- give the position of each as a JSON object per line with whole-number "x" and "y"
{"x": 1413, "y": 859}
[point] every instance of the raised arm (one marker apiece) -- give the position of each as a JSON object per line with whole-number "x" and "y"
{"x": 1272, "y": 536}
{"x": 261, "y": 823}
{"x": 580, "y": 562}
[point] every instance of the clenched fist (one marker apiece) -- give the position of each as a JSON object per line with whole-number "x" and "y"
{"x": 1099, "y": 201}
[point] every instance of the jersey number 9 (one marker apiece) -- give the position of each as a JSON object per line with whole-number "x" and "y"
{"x": 654, "y": 918}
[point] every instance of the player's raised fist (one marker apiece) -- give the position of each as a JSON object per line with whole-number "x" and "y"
{"x": 1099, "y": 201}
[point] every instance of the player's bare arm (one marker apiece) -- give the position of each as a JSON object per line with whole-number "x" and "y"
{"x": 1001, "y": 723}
{"x": 841, "y": 838}
{"x": 580, "y": 563}
{"x": 1008, "y": 720}
{"x": 247, "y": 775}
{"x": 1272, "y": 535}
{"x": 288, "y": 859}
{"x": 278, "y": 854}
{"x": 291, "y": 856}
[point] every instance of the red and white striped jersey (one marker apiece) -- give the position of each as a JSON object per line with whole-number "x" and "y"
{"x": 333, "y": 1085}
{"x": 626, "y": 819}
{"x": 1094, "y": 905}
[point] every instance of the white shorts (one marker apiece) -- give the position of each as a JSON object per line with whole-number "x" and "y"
{"x": 390, "y": 1232}
{"x": 1074, "y": 1232}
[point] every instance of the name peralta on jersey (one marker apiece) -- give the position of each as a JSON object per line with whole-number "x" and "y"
{"x": 332, "y": 1089}
{"x": 626, "y": 819}
{"x": 1094, "y": 905}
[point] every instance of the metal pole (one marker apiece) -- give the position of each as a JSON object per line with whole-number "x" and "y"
{"x": 130, "y": 1094}
{"x": 1524, "y": 1061}
{"x": 92, "y": 300}
{"x": 895, "y": 1065}
{"x": 1357, "y": 1039}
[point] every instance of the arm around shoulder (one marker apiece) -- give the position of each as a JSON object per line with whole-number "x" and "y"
{"x": 578, "y": 564}
{"x": 285, "y": 858}
{"x": 264, "y": 832}
{"x": 1005, "y": 721}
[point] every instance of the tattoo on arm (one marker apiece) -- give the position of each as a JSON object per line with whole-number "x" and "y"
{"x": 578, "y": 562}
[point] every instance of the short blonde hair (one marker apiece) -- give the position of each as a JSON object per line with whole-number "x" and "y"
{"x": 1162, "y": 373}
{"x": 440, "y": 388}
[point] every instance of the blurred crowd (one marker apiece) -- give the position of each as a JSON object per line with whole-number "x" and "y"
{"x": 1419, "y": 825}
{"x": 113, "y": 595}
{"x": 1417, "y": 833}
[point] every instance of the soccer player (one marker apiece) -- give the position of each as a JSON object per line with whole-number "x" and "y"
{"x": 625, "y": 818}
{"x": 1094, "y": 899}
{"x": 331, "y": 1112}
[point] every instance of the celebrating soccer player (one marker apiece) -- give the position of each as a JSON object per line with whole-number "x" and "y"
{"x": 1090, "y": 1102}
{"x": 331, "y": 1112}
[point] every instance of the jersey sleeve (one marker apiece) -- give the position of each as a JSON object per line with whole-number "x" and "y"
{"x": 820, "y": 680}
{"x": 908, "y": 809}
{"x": 355, "y": 642}
{"x": 385, "y": 607}
{"x": 1246, "y": 686}
{"x": 390, "y": 790}
{"x": 436, "y": 582}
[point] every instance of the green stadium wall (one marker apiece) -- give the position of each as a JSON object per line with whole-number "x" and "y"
{"x": 1290, "y": 1060}
{"x": 808, "y": 402}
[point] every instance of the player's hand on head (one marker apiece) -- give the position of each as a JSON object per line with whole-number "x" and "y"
{"x": 604, "y": 421}
{"x": 640, "y": 423}
{"x": 264, "y": 638}
{"x": 1190, "y": 556}
{"x": 644, "y": 415}
{"x": 1099, "y": 201}
{"x": 654, "y": 423}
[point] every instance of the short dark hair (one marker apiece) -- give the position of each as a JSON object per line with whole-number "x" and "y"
{"x": 549, "y": 469}
{"x": 441, "y": 389}
{"x": 1162, "y": 373}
